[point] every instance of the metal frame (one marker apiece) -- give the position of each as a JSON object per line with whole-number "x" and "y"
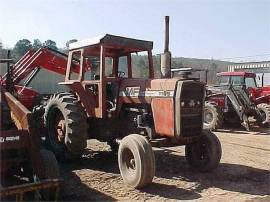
{"x": 19, "y": 190}
{"x": 25, "y": 138}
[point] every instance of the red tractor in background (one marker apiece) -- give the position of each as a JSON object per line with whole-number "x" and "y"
{"x": 258, "y": 95}
{"x": 236, "y": 98}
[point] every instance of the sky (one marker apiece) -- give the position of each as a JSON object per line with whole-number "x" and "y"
{"x": 217, "y": 29}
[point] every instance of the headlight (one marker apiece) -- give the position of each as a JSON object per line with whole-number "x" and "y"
{"x": 182, "y": 104}
{"x": 191, "y": 103}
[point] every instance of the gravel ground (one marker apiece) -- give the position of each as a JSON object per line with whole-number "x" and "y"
{"x": 243, "y": 174}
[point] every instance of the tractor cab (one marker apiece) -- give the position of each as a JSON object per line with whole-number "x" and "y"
{"x": 237, "y": 78}
{"x": 246, "y": 80}
{"x": 104, "y": 62}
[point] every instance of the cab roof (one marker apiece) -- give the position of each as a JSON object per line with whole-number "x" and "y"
{"x": 126, "y": 45}
{"x": 244, "y": 74}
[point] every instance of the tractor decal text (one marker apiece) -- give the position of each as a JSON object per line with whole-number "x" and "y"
{"x": 136, "y": 92}
{"x": 9, "y": 139}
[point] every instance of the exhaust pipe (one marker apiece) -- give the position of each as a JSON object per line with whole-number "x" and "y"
{"x": 165, "y": 63}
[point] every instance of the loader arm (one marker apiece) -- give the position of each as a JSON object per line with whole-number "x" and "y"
{"x": 46, "y": 58}
{"x": 242, "y": 104}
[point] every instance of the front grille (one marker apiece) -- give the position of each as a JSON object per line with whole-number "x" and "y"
{"x": 191, "y": 125}
{"x": 192, "y": 93}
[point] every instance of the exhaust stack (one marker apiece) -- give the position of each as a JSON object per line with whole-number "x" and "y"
{"x": 165, "y": 63}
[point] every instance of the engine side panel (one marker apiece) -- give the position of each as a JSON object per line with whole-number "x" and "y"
{"x": 163, "y": 115}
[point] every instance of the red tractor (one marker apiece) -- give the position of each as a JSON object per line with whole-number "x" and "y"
{"x": 235, "y": 99}
{"x": 106, "y": 101}
{"x": 110, "y": 105}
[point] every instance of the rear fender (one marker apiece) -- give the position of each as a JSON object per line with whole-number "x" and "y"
{"x": 85, "y": 96}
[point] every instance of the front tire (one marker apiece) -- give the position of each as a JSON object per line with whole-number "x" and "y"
{"x": 204, "y": 155}
{"x": 66, "y": 123}
{"x": 265, "y": 112}
{"x": 50, "y": 164}
{"x": 136, "y": 161}
{"x": 51, "y": 171}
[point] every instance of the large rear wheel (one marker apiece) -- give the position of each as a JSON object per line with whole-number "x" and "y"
{"x": 136, "y": 161}
{"x": 66, "y": 123}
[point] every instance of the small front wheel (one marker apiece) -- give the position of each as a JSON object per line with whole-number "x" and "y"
{"x": 205, "y": 154}
{"x": 51, "y": 171}
{"x": 136, "y": 161}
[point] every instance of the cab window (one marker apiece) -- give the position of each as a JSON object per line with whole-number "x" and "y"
{"x": 140, "y": 65}
{"x": 250, "y": 82}
{"x": 92, "y": 68}
{"x": 109, "y": 67}
{"x": 224, "y": 80}
{"x": 123, "y": 67}
{"x": 237, "y": 80}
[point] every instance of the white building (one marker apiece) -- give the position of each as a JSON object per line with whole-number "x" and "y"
{"x": 262, "y": 70}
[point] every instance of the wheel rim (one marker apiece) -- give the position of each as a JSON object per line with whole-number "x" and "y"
{"x": 129, "y": 161}
{"x": 201, "y": 153}
{"x": 208, "y": 116}
{"x": 57, "y": 128}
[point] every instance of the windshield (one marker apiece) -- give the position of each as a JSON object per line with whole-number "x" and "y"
{"x": 237, "y": 80}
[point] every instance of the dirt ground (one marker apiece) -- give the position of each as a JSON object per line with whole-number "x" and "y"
{"x": 243, "y": 174}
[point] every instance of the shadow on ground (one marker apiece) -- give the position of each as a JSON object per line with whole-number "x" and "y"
{"x": 170, "y": 165}
{"x": 241, "y": 130}
{"x": 74, "y": 190}
{"x": 170, "y": 192}
{"x": 106, "y": 161}
{"x": 230, "y": 177}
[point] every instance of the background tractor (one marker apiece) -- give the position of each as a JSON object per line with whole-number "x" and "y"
{"x": 235, "y": 99}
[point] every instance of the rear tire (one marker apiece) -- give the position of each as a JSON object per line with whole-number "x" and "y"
{"x": 213, "y": 116}
{"x": 67, "y": 127}
{"x": 136, "y": 161}
{"x": 204, "y": 155}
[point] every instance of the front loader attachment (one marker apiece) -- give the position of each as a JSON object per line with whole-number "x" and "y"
{"x": 242, "y": 104}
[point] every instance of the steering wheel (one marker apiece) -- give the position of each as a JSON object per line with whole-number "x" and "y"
{"x": 121, "y": 74}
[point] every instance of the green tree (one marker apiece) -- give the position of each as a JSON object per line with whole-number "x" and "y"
{"x": 37, "y": 44}
{"x": 21, "y": 47}
{"x": 51, "y": 44}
